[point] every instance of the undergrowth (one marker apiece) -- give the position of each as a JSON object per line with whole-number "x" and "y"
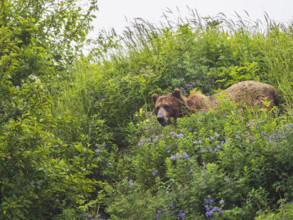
{"x": 79, "y": 139}
{"x": 227, "y": 164}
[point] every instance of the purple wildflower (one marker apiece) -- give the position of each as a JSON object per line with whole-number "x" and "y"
{"x": 190, "y": 129}
{"x": 211, "y": 213}
{"x": 155, "y": 172}
{"x": 181, "y": 214}
{"x": 180, "y": 135}
{"x": 185, "y": 157}
{"x": 172, "y": 207}
{"x": 173, "y": 158}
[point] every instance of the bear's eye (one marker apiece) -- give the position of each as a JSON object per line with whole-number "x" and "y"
{"x": 157, "y": 109}
{"x": 166, "y": 107}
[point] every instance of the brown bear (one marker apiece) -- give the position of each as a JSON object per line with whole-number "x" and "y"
{"x": 175, "y": 105}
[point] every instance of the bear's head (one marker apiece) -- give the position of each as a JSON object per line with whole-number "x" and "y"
{"x": 168, "y": 106}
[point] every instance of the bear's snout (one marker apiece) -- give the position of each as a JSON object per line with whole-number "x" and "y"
{"x": 161, "y": 120}
{"x": 161, "y": 117}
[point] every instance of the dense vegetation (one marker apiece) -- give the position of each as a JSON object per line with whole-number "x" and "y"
{"x": 78, "y": 137}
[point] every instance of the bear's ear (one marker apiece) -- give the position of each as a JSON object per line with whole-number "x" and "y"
{"x": 176, "y": 93}
{"x": 155, "y": 97}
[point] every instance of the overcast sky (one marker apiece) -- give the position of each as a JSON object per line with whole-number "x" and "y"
{"x": 112, "y": 13}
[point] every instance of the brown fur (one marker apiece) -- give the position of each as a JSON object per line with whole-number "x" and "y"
{"x": 175, "y": 105}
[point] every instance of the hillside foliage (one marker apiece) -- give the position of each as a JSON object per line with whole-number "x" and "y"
{"x": 79, "y": 139}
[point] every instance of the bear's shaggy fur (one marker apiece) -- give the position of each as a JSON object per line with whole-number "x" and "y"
{"x": 175, "y": 105}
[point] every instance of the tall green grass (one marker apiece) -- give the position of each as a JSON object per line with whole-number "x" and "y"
{"x": 208, "y": 54}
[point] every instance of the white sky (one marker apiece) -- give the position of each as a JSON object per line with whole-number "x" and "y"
{"x": 112, "y": 13}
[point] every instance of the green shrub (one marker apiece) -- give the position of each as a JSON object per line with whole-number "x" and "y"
{"x": 42, "y": 176}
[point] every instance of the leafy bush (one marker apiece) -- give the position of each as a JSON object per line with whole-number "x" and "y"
{"x": 42, "y": 177}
